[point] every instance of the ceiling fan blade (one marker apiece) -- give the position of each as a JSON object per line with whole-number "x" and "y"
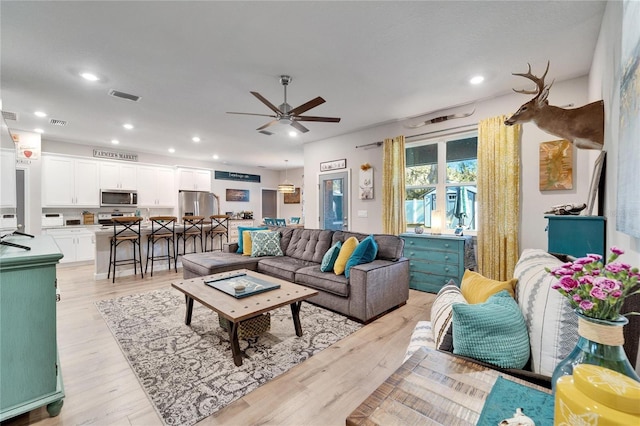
{"x": 299, "y": 126}
{"x": 250, "y": 113}
{"x": 265, "y": 132}
{"x": 269, "y": 124}
{"x": 267, "y": 103}
{"x": 307, "y": 106}
{"x": 325, "y": 119}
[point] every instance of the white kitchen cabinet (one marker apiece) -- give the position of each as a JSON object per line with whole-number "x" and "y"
{"x": 69, "y": 182}
{"x": 156, "y": 187}
{"x": 194, "y": 179}
{"x": 117, "y": 176}
{"x": 8, "y": 181}
{"x": 77, "y": 244}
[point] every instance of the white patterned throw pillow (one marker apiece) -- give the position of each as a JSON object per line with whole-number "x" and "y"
{"x": 442, "y": 314}
{"x": 265, "y": 243}
{"x": 551, "y": 322}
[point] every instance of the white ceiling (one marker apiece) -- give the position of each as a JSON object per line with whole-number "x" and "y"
{"x": 373, "y": 62}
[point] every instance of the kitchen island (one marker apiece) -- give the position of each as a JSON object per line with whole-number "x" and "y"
{"x": 102, "y": 241}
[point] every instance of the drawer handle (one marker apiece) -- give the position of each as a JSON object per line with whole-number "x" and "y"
{"x": 446, "y": 258}
{"x": 410, "y": 242}
{"x": 412, "y": 253}
{"x": 446, "y": 269}
{"x": 446, "y": 245}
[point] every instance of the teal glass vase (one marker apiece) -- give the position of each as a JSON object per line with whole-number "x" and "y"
{"x": 600, "y": 343}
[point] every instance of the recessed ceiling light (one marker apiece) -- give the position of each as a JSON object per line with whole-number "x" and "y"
{"x": 89, "y": 76}
{"x": 477, "y": 79}
{"x": 195, "y": 139}
{"x": 171, "y": 150}
{"x": 38, "y": 130}
{"x": 115, "y": 141}
{"x": 215, "y": 156}
{"x": 128, "y": 126}
{"x": 293, "y": 133}
{"x": 40, "y": 114}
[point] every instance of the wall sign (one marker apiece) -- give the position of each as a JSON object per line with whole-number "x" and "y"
{"x": 115, "y": 155}
{"x": 333, "y": 165}
{"x": 245, "y": 177}
{"x": 237, "y": 195}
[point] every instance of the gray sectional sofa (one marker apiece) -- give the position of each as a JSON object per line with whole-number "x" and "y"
{"x": 371, "y": 289}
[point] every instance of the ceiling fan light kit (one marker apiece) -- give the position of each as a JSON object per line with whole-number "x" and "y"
{"x": 286, "y": 115}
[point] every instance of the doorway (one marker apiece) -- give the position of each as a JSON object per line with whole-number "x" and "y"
{"x": 269, "y": 203}
{"x": 334, "y": 201}
{"x": 21, "y": 200}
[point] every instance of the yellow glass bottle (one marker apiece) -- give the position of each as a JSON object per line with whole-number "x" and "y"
{"x": 596, "y": 396}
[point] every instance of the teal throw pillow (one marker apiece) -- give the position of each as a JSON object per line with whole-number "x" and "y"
{"x": 264, "y": 243}
{"x": 494, "y": 332}
{"x": 365, "y": 252}
{"x": 241, "y": 229}
{"x": 329, "y": 258}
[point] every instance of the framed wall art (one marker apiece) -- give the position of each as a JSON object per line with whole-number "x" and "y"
{"x": 292, "y": 198}
{"x": 237, "y": 195}
{"x": 366, "y": 182}
{"x": 556, "y": 165}
{"x": 333, "y": 165}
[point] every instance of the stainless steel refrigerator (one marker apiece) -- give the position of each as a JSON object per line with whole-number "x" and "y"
{"x": 197, "y": 203}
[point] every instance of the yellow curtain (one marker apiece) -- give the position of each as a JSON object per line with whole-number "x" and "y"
{"x": 393, "y": 160}
{"x": 498, "y": 197}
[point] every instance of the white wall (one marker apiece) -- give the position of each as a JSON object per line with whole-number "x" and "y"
{"x": 533, "y": 201}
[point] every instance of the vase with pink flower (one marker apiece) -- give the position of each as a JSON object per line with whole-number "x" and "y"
{"x": 597, "y": 290}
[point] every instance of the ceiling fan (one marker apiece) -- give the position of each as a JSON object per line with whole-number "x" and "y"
{"x": 284, "y": 114}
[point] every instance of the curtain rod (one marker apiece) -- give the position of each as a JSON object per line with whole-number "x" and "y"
{"x": 469, "y": 126}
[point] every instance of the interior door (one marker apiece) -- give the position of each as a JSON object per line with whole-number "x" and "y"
{"x": 334, "y": 199}
{"x": 269, "y": 203}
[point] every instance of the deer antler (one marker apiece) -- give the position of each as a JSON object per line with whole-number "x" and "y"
{"x": 538, "y": 81}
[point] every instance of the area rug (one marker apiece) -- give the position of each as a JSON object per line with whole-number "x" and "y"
{"x": 188, "y": 371}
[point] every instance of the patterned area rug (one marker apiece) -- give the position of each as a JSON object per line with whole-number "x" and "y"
{"x": 188, "y": 371}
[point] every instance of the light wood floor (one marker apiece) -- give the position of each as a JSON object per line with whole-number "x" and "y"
{"x": 101, "y": 388}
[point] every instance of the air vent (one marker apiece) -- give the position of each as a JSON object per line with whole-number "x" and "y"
{"x": 123, "y": 95}
{"x": 57, "y": 122}
{"x": 8, "y": 115}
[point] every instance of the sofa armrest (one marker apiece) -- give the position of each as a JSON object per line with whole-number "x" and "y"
{"x": 230, "y": 248}
{"x": 377, "y": 287}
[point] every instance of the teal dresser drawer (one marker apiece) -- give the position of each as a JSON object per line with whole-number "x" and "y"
{"x": 434, "y": 260}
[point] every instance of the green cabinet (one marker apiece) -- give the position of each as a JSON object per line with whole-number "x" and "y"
{"x": 576, "y": 235}
{"x": 30, "y": 375}
{"x": 433, "y": 260}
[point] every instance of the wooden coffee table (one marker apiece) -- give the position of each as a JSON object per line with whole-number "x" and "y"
{"x": 431, "y": 387}
{"x": 238, "y": 310}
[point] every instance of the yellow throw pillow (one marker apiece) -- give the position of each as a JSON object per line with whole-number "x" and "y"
{"x": 477, "y": 289}
{"x": 247, "y": 243}
{"x": 345, "y": 253}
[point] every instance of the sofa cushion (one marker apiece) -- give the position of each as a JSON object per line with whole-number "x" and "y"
{"x": 477, "y": 289}
{"x": 442, "y": 314}
{"x": 265, "y": 243}
{"x": 345, "y": 253}
{"x": 329, "y": 258}
{"x": 283, "y": 267}
{"x": 241, "y": 229}
{"x": 365, "y": 252}
{"x": 390, "y": 247}
{"x": 552, "y": 324}
{"x": 309, "y": 244}
{"x": 200, "y": 264}
{"x": 493, "y": 332}
{"x": 311, "y": 276}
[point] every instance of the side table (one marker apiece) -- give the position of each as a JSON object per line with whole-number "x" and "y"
{"x": 430, "y": 387}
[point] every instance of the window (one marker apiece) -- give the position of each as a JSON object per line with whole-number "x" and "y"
{"x": 443, "y": 173}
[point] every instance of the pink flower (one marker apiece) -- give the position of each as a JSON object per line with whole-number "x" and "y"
{"x": 594, "y": 256}
{"x": 616, "y": 250}
{"x": 614, "y": 267}
{"x": 567, "y": 283}
{"x": 586, "y": 305}
{"x": 555, "y": 286}
{"x": 583, "y": 260}
{"x": 577, "y": 298}
{"x": 616, "y": 293}
{"x": 586, "y": 279}
{"x": 577, "y": 267}
{"x": 606, "y": 284}
{"x": 562, "y": 271}
{"x": 598, "y": 293}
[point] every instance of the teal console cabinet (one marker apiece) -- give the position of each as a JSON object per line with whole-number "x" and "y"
{"x": 30, "y": 374}
{"x": 576, "y": 235}
{"x": 433, "y": 260}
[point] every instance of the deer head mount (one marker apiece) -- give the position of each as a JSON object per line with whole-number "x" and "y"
{"x": 583, "y": 126}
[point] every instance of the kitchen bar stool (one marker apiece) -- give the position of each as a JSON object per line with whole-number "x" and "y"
{"x": 219, "y": 229}
{"x": 192, "y": 230}
{"x": 163, "y": 229}
{"x": 125, "y": 229}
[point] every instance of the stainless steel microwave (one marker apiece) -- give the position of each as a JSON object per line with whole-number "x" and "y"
{"x": 118, "y": 198}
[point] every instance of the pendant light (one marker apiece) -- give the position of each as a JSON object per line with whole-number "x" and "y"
{"x": 286, "y": 187}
